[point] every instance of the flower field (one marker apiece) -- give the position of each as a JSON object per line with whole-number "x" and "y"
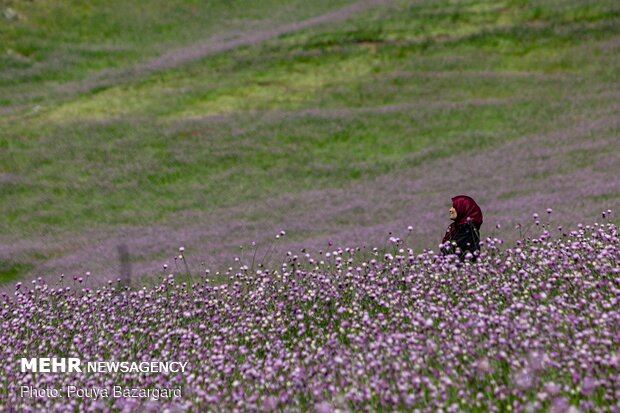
{"x": 533, "y": 327}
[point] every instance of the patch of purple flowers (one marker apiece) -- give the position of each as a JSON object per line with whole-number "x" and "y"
{"x": 530, "y": 328}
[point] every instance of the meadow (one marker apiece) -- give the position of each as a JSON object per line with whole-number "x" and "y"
{"x": 259, "y": 189}
{"x": 212, "y": 125}
{"x": 525, "y": 329}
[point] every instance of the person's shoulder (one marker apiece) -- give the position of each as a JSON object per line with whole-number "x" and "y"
{"x": 466, "y": 226}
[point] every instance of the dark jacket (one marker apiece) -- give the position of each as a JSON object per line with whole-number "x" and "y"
{"x": 466, "y": 239}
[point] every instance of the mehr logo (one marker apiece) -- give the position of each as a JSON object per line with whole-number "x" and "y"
{"x": 51, "y": 365}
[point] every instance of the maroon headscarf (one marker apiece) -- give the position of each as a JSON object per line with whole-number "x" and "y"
{"x": 466, "y": 210}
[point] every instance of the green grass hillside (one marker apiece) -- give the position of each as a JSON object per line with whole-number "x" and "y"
{"x": 99, "y": 138}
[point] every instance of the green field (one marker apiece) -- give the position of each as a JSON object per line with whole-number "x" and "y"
{"x": 100, "y": 140}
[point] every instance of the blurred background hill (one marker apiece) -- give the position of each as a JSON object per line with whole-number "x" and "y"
{"x": 213, "y": 124}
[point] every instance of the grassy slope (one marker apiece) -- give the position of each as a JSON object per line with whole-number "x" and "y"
{"x": 389, "y": 89}
{"x": 53, "y": 41}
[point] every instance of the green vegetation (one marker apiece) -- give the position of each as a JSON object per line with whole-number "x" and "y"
{"x": 391, "y": 87}
{"x": 12, "y": 271}
{"x": 62, "y": 41}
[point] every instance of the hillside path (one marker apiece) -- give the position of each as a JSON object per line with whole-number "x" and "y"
{"x": 188, "y": 54}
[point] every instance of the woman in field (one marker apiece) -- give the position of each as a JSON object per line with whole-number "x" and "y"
{"x": 463, "y": 235}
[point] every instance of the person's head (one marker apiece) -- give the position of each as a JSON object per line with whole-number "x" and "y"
{"x": 464, "y": 209}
